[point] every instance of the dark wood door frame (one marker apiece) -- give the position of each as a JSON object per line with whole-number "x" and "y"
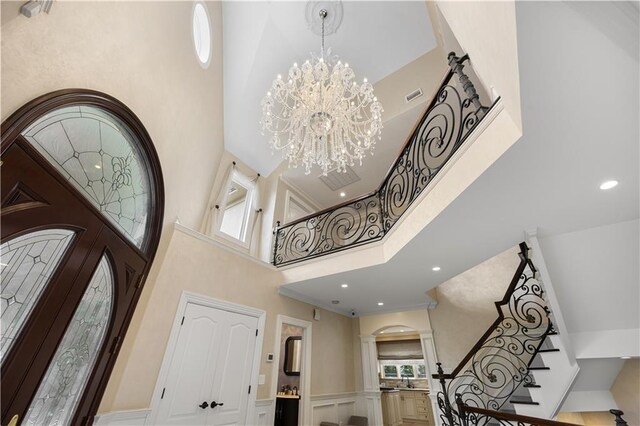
{"x": 96, "y": 236}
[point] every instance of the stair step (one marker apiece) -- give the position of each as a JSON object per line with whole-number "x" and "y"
{"x": 523, "y": 401}
{"x": 548, "y": 350}
{"x": 531, "y": 385}
{"x": 539, "y": 368}
{"x": 552, "y": 333}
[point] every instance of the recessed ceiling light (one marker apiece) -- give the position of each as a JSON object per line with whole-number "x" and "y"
{"x": 344, "y": 285}
{"x": 435, "y": 268}
{"x": 382, "y": 332}
{"x": 401, "y": 331}
{"x": 98, "y": 166}
{"x": 608, "y": 184}
{"x": 342, "y": 194}
{"x": 380, "y": 303}
{"x": 625, "y": 357}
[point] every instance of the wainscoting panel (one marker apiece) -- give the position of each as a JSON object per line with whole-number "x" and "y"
{"x": 263, "y": 413}
{"x": 122, "y": 418}
{"x": 335, "y": 408}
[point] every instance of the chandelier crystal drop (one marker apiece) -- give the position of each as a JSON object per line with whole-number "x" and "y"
{"x": 319, "y": 114}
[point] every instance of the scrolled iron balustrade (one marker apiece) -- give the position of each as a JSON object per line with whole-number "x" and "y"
{"x": 451, "y": 116}
{"x": 499, "y": 363}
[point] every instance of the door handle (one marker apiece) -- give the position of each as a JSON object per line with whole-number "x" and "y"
{"x": 15, "y": 418}
{"x": 215, "y": 404}
{"x": 204, "y": 405}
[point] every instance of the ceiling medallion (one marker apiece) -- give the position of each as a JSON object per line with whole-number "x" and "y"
{"x": 320, "y": 114}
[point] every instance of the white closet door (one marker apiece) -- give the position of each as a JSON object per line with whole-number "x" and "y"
{"x": 233, "y": 371}
{"x": 212, "y": 361}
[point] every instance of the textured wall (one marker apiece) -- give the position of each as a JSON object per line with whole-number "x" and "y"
{"x": 465, "y": 306}
{"x": 141, "y": 53}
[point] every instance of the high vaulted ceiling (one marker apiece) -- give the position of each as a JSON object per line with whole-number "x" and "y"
{"x": 579, "y": 87}
{"x": 263, "y": 39}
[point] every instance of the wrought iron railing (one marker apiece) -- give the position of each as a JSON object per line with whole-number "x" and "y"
{"x": 499, "y": 362}
{"x": 474, "y": 416}
{"x": 448, "y": 120}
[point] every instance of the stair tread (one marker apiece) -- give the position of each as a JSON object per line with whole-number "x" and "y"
{"x": 539, "y": 368}
{"x": 516, "y": 400}
{"x": 531, "y": 385}
{"x": 548, "y": 350}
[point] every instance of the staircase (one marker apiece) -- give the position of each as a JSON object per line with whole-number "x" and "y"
{"x": 520, "y": 366}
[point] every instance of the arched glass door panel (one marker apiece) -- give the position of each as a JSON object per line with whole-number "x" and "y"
{"x": 28, "y": 263}
{"x": 97, "y": 153}
{"x": 63, "y": 384}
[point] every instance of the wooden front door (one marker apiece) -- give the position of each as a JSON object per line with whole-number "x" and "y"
{"x": 81, "y": 213}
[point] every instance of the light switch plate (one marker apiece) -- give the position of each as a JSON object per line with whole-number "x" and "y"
{"x": 269, "y": 357}
{"x": 261, "y": 379}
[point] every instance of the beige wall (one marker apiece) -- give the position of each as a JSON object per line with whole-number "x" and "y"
{"x": 465, "y": 306}
{"x": 626, "y": 391}
{"x": 141, "y": 53}
{"x": 200, "y": 266}
{"x": 486, "y": 30}
{"x": 417, "y": 320}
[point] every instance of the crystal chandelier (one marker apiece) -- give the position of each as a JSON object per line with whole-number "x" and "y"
{"x": 320, "y": 115}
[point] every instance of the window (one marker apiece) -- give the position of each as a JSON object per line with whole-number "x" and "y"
{"x": 390, "y": 371}
{"x": 236, "y": 208}
{"x": 403, "y": 369}
{"x": 201, "y": 34}
{"x": 406, "y": 371}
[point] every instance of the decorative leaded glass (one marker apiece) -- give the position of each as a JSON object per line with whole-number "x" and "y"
{"x": 27, "y": 264}
{"x": 69, "y": 370}
{"x": 97, "y": 153}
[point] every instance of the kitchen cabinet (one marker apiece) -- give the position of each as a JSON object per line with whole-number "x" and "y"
{"x": 391, "y": 410}
{"x": 416, "y": 406}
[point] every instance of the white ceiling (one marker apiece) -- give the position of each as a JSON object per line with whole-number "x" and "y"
{"x": 580, "y": 108}
{"x": 263, "y": 39}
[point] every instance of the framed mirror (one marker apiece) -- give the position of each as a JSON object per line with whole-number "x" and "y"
{"x": 293, "y": 355}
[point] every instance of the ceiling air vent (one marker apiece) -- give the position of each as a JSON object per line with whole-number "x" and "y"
{"x": 336, "y": 180}
{"x": 415, "y": 94}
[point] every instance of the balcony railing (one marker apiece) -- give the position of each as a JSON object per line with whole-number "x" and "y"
{"x": 451, "y": 116}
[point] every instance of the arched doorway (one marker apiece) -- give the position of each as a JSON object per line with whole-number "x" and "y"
{"x": 82, "y": 207}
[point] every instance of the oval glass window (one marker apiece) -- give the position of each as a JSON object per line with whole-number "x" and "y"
{"x": 201, "y": 34}
{"x": 98, "y": 154}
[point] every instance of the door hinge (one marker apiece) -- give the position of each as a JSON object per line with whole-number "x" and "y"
{"x": 182, "y": 321}
{"x": 256, "y": 333}
{"x": 115, "y": 344}
{"x": 162, "y": 396}
{"x": 249, "y": 389}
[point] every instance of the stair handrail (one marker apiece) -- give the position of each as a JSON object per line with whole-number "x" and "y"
{"x": 370, "y": 217}
{"x": 478, "y": 377}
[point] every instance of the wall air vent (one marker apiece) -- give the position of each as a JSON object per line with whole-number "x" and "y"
{"x": 415, "y": 94}
{"x": 336, "y": 180}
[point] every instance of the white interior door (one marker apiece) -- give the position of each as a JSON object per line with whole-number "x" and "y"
{"x": 211, "y": 362}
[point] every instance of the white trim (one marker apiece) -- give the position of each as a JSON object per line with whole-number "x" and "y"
{"x": 209, "y": 240}
{"x": 189, "y": 297}
{"x": 305, "y": 375}
{"x": 129, "y": 418}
